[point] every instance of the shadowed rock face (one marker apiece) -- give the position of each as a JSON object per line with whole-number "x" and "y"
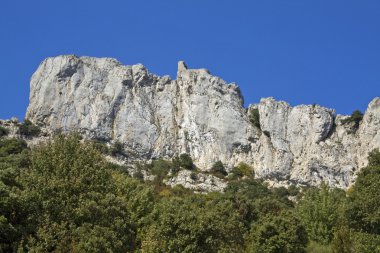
{"x": 201, "y": 115}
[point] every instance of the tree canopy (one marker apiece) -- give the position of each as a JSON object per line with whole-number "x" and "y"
{"x": 63, "y": 196}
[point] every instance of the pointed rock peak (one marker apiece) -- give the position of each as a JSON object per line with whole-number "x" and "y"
{"x": 181, "y": 66}
{"x": 374, "y": 103}
{"x": 373, "y": 107}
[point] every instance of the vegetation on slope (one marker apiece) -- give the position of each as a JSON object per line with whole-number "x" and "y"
{"x": 63, "y": 196}
{"x": 355, "y": 118}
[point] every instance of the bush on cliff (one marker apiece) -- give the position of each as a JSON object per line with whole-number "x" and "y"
{"x": 28, "y": 129}
{"x": 3, "y": 131}
{"x": 355, "y": 117}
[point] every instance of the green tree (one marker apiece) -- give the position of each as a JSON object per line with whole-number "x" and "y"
{"x": 11, "y": 146}
{"x": 363, "y": 211}
{"x": 342, "y": 242}
{"x": 281, "y": 233}
{"x": 13, "y": 209}
{"x": 320, "y": 210}
{"x": 160, "y": 168}
{"x": 79, "y": 206}
{"x": 365, "y": 242}
{"x": 193, "y": 224}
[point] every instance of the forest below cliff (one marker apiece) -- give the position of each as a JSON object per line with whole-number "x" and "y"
{"x": 64, "y": 196}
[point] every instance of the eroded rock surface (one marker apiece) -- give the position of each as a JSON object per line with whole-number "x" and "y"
{"x": 199, "y": 114}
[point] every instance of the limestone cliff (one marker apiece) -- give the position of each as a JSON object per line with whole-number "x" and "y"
{"x": 201, "y": 115}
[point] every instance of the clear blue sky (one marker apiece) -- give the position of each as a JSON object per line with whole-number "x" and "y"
{"x": 303, "y": 52}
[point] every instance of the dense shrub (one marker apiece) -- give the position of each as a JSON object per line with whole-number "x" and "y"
{"x": 194, "y": 224}
{"x": 320, "y": 210}
{"x": 293, "y": 190}
{"x": 138, "y": 175}
{"x": 363, "y": 211}
{"x": 100, "y": 146}
{"x": 184, "y": 161}
{"x": 160, "y": 168}
{"x": 11, "y": 146}
{"x": 365, "y": 242}
{"x": 314, "y": 247}
{"x": 63, "y": 196}
{"x": 3, "y": 131}
{"x": 218, "y": 169}
{"x": 342, "y": 241}
{"x": 242, "y": 170}
{"x": 78, "y": 206}
{"x": 28, "y": 129}
{"x": 355, "y": 117}
{"x": 279, "y": 233}
{"x": 116, "y": 149}
{"x": 14, "y": 221}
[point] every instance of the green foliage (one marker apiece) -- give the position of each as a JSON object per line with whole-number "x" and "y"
{"x": 374, "y": 158}
{"x": 160, "y": 169}
{"x": 3, "y": 131}
{"x": 218, "y": 169}
{"x": 140, "y": 200}
{"x": 253, "y": 200}
{"x": 278, "y": 233}
{"x": 63, "y": 196}
{"x": 249, "y": 188}
{"x": 363, "y": 211}
{"x": 342, "y": 242}
{"x": 138, "y": 175}
{"x": 79, "y": 207}
{"x": 184, "y": 161}
{"x": 28, "y": 129}
{"x": 314, "y": 247}
{"x": 116, "y": 149}
{"x": 293, "y": 190}
{"x": 13, "y": 208}
{"x": 11, "y": 146}
{"x": 320, "y": 211}
{"x": 194, "y": 224}
{"x": 122, "y": 168}
{"x": 355, "y": 117}
{"x": 365, "y": 242}
{"x": 242, "y": 170}
{"x": 100, "y": 146}
{"x": 254, "y": 117}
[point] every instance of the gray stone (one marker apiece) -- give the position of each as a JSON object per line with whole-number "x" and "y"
{"x": 199, "y": 114}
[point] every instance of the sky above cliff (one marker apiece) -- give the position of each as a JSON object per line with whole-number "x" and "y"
{"x": 304, "y": 52}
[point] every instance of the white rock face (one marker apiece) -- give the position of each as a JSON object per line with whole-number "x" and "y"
{"x": 201, "y": 115}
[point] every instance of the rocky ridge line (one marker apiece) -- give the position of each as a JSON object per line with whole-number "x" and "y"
{"x": 199, "y": 114}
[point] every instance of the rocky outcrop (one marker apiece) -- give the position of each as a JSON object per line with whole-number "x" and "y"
{"x": 198, "y": 182}
{"x": 201, "y": 115}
